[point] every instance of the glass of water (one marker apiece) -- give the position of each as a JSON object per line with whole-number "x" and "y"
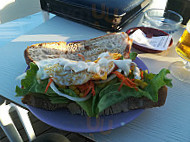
{"x": 165, "y": 20}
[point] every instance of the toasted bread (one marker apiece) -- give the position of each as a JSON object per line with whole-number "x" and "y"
{"x": 90, "y": 49}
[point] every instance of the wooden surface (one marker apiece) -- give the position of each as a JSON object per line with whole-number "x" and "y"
{"x": 40, "y": 128}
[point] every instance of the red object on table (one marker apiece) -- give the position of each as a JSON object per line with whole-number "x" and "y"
{"x": 149, "y": 32}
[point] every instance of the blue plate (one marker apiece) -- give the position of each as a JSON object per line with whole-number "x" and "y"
{"x": 64, "y": 120}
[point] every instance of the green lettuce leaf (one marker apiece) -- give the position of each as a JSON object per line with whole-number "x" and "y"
{"x": 133, "y": 55}
{"x": 155, "y": 82}
{"x": 31, "y": 85}
{"x": 110, "y": 94}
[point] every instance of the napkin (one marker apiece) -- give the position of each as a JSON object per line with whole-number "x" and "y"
{"x": 155, "y": 43}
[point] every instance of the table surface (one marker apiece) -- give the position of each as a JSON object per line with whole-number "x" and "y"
{"x": 168, "y": 123}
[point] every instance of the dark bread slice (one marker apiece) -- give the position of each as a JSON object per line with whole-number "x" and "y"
{"x": 147, "y": 103}
{"x": 39, "y": 101}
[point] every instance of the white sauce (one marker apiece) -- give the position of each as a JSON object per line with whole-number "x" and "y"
{"x": 76, "y": 66}
{"x": 105, "y": 54}
{"x": 60, "y": 66}
{"x": 93, "y": 67}
{"x": 136, "y": 71}
{"x": 124, "y": 65}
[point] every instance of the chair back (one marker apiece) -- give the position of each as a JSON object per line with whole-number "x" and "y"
{"x": 15, "y": 9}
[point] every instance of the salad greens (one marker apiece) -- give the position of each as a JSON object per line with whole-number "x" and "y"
{"x": 133, "y": 55}
{"x": 107, "y": 94}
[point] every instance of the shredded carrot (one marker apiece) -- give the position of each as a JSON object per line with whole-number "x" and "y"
{"x": 125, "y": 81}
{"x": 130, "y": 82}
{"x": 83, "y": 58}
{"x": 133, "y": 79}
{"x": 93, "y": 90}
{"x": 120, "y": 86}
{"x": 142, "y": 74}
{"x": 86, "y": 88}
{"x": 86, "y": 92}
{"x": 50, "y": 81}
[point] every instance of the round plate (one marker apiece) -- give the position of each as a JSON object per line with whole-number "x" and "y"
{"x": 149, "y": 32}
{"x": 64, "y": 120}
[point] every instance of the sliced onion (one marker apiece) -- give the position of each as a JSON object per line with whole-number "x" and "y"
{"x": 76, "y": 99}
{"x": 20, "y": 77}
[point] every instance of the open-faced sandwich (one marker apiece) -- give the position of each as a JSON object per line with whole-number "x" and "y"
{"x": 92, "y": 77}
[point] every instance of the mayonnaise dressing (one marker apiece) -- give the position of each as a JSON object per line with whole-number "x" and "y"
{"x": 104, "y": 54}
{"x": 124, "y": 65}
{"x": 136, "y": 71}
{"x": 60, "y": 67}
{"x": 76, "y": 66}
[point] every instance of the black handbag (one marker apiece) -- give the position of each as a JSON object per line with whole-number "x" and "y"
{"x": 107, "y": 15}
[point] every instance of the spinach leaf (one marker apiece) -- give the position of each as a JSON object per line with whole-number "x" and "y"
{"x": 98, "y": 88}
{"x": 155, "y": 82}
{"x": 110, "y": 95}
{"x": 133, "y": 55}
{"x": 87, "y": 107}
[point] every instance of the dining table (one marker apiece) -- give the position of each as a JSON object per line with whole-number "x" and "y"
{"x": 170, "y": 123}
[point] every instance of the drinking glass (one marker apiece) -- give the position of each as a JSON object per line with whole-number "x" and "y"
{"x": 179, "y": 69}
{"x": 165, "y": 20}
